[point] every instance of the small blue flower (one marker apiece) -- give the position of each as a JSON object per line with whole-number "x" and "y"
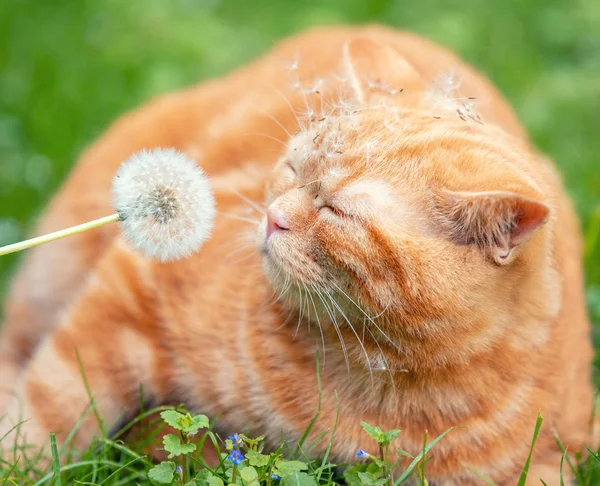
{"x": 179, "y": 470}
{"x": 362, "y": 454}
{"x": 236, "y": 457}
{"x": 274, "y": 477}
{"x": 235, "y": 439}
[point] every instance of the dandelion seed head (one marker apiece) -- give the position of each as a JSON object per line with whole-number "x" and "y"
{"x": 165, "y": 202}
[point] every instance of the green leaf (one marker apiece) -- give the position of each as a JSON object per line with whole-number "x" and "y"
{"x": 371, "y": 479}
{"x": 249, "y": 475}
{"x": 298, "y": 479}
{"x": 538, "y": 426}
{"x": 257, "y": 459}
{"x": 171, "y": 417}
{"x": 245, "y": 438}
{"x": 174, "y": 446}
{"x": 215, "y": 481}
{"x": 185, "y": 423}
{"x": 202, "y": 478}
{"x": 198, "y": 422}
{"x": 287, "y": 468}
{"x": 403, "y": 453}
{"x": 163, "y": 473}
{"x": 392, "y": 435}
{"x": 351, "y": 474}
{"x": 375, "y": 432}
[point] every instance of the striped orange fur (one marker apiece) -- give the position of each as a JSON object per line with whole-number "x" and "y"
{"x": 422, "y": 244}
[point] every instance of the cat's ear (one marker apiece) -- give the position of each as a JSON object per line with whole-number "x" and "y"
{"x": 373, "y": 68}
{"x": 496, "y": 221}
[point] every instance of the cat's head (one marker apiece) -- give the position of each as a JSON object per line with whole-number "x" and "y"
{"x": 418, "y": 219}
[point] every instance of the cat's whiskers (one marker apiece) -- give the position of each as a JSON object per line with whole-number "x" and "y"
{"x": 275, "y": 295}
{"x": 266, "y": 135}
{"x": 361, "y": 344}
{"x": 316, "y": 317}
{"x": 245, "y": 241}
{"x": 277, "y": 122}
{"x": 301, "y": 311}
{"x": 335, "y": 326}
{"x": 286, "y": 286}
{"x": 382, "y": 355}
{"x": 244, "y": 259}
{"x": 287, "y": 101}
{"x": 371, "y": 319}
{"x": 252, "y": 203}
{"x": 238, "y": 217}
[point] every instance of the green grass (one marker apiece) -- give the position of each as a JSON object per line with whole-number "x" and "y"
{"x": 68, "y": 68}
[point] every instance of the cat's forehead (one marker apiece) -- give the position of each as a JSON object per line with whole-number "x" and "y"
{"x": 323, "y": 140}
{"x": 347, "y": 140}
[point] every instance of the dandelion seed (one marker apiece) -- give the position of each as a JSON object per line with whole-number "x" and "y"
{"x": 362, "y": 454}
{"x": 294, "y": 64}
{"x": 236, "y": 457}
{"x": 165, "y": 203}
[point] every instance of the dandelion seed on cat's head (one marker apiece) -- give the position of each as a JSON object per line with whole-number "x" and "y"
{"x": 165, "y": 202}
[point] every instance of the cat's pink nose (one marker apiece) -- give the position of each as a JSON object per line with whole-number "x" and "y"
{"x": 275, "y": 222}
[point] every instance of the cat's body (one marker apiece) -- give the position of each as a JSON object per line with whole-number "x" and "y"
{"x": 463, "y": 307}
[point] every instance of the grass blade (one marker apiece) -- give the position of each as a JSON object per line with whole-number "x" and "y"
{"x": 423, "y": 461}
{"x": 55, "y": 463}
{"x": 536, "y": 432}
{"x": 593, "y": 454}
{"x": 314, "y": 419}
{"x": 88, "y": 390}
{"x": 329, "y": 446}
{"x": 562, "y": 460}
{"x": 77, "y": 465}
{"x": 483, "y": 477}
{"x": 563, "y": 449}
{"x": 421, "y": 455}
{"x": 124, "y": 466}
{"x": 11, "y": 470}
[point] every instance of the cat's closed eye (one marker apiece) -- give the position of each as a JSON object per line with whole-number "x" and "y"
{"x": 332, "y": 210}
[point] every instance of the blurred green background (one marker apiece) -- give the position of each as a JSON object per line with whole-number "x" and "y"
{"x": 69, "y": 67}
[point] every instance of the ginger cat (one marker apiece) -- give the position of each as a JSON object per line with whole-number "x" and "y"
{"x": 421, "y": 244}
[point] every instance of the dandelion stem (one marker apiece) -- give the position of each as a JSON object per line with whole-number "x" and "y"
{"x": 24, "y": 245}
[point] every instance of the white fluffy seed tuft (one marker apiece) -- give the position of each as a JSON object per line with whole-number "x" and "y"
{"x": 166, "y": 203}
